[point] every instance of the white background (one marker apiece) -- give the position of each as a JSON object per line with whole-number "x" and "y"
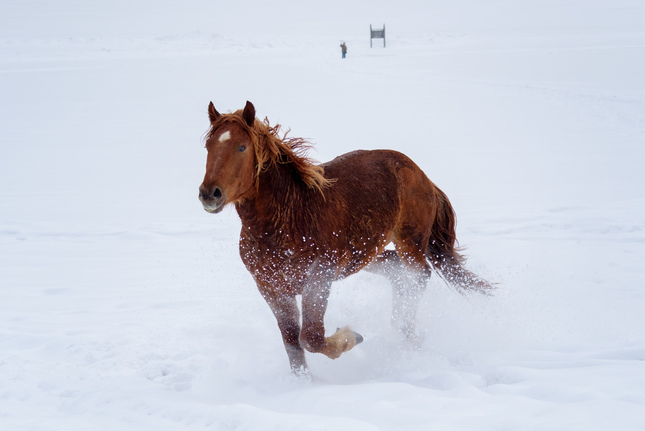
{"x": 123, "y": 305}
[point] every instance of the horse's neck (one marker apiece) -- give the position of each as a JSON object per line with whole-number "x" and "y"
{"x": 280, "y": 202}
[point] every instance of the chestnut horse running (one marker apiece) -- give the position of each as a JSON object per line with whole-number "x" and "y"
{"x": 306, "y": 225}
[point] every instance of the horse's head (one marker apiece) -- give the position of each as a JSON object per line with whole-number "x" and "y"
{"x": 230, "y": 165}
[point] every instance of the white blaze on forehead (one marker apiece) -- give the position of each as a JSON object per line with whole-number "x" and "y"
{"x": 225, "y": 136}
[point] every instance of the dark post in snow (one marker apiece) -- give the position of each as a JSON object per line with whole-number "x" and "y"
{"x": 377, "y": 34}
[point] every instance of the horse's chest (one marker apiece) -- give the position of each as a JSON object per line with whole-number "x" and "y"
{"x": 276, "y": 260}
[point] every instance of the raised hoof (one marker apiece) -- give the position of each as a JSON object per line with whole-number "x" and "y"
{"x": 342, "y": 341}
{"x": 358, "y": 338}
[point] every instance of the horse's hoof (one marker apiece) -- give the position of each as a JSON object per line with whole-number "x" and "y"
{"x": 358, "y": 337}
{"x": 301, "y": 373}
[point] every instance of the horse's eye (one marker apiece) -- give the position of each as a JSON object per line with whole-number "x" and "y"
{"x": 241, "y": 148}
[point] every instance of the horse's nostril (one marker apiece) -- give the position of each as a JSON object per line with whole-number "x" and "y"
{"x": 203, "y": 194}
{"x": 217, "y": 193}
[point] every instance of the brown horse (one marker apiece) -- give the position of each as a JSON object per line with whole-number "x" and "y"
{"x": 306, "y": 225}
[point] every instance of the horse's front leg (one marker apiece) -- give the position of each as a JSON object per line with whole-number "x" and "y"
{"x": 314, "y": 304}
{"x": 285, "y": 310}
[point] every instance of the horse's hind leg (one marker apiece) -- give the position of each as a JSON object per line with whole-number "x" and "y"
{"x": 408, "y": 284}
{"x": 405, "y": 302}
{"x": 407, "y": 295}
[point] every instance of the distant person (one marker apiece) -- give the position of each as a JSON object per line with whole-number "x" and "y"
{"x": 343, "y": 47}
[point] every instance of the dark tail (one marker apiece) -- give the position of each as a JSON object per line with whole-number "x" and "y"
{"x": 443, "y": 255}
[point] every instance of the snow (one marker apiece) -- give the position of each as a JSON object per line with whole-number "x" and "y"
{"x": 125, "y": 305}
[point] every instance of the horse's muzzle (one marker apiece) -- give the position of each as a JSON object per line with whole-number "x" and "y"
{"x": 213, "y": 199}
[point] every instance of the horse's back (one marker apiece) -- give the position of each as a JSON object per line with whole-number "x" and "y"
{"x": 379, "y": 171}
{"x": 364, "y": 180}
{"x": 369, "y": 163}
{"x": 385, "y": 183}
{"x": 379, "y": 183}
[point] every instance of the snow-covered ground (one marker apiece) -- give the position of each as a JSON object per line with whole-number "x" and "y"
{"x": 123, "y": 305}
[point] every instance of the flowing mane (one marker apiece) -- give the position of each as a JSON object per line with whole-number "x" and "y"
{"x": 271, "y": 149}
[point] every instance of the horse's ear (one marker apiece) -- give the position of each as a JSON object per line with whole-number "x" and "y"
{"x": 212, "y": 113}
{"x": 249, "y": 113}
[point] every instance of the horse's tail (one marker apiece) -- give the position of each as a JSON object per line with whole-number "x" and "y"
{"x": 444, "y": 257}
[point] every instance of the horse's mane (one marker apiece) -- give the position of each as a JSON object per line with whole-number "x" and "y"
{"x": 271, "y": 150}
